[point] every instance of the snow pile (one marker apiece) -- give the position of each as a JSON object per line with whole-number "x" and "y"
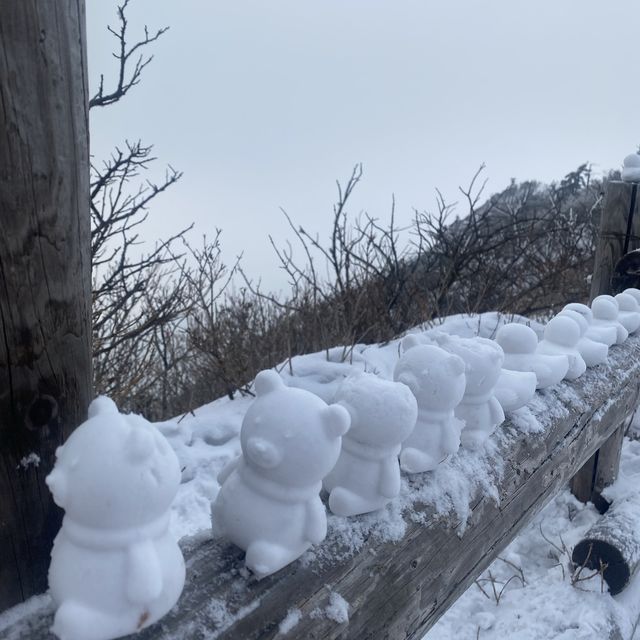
{"x": 533, "y": 593}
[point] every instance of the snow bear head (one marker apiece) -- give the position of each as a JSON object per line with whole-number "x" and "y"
{"x": 627, "y": 302}
{"x": 482, "y": 358}
{"x": 582, "y": 309}
{"x": 563, "y": 331}
{"x": 517, "y": 338}
{"x": 290, "y": 435}
{"x": 383, "y": 413}
{"x": 435, "y": 377}
{"x": 578, "y": 318}
{"x": 605, "y": 308}
{"x": 114, "y": 471}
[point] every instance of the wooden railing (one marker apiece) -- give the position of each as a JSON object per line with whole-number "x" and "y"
{"x": 399, "y": 589}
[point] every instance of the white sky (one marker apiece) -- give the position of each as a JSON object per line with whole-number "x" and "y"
{"x": 264, "y": 104}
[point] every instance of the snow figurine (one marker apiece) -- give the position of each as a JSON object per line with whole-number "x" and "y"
{"x": 436, "y": 379}
{"x": 635, "y": 293}
{"x": 592, "y": 352}
{"x": 515, "y": 389}
{"x": 519, "y": 344}
{"x": 479, "y": 407}
{"x": 629, "y": 312}
{"x": 631, "y": 168}
{"x": 561, "y": 336}
{"x": 269, "y": 502}
{"x": 596, "y": 332}
{"x": 367, "y": 474}
{"x": 115, "y": 568}
{"x": 605, "y": 311}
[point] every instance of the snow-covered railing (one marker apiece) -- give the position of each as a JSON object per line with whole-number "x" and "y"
{"x": 394, "y": 578}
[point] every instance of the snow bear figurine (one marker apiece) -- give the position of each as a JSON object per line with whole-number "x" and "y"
{"x": 598, "y": 333}
{"x": 367, "y": 475}
{"x": 561, "y": 336}
{"x": 269, "y": 502}
{"x": 519, "y": 344}
{"x": 629, "y": 312}
{"x": 436, "y": 379}
{"x": 605, "y": 311}
{"x": 115, "y": 568}
{"x": 593, "y": 352}
{"x": 479, "y": 407}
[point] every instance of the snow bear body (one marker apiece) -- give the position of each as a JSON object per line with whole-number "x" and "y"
{"x": 436, "y": 379}
{"x": 269, "y": 502}
{"x": 519, "y": 344}
{"x": 479, "y": 408}
{"x": 115, "y": 568}
{"x": 367, "y": 474}
{"x": 514, "y": 389}
{"x": 593, "y": 352}
{"x": 561, "y": 336}
{"x": 605, "y": 311}
{"x": 629, "y": 312}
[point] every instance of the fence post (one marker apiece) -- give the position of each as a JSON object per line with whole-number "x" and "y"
{"x": 619, "y": 231}
{"x": 45, "y": 273}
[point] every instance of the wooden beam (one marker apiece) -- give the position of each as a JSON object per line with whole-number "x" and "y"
{"x": 45, "y": 273}
{"x": 399, "y": 590}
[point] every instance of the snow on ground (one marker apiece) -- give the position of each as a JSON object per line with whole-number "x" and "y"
{"x": 528, "y": 593}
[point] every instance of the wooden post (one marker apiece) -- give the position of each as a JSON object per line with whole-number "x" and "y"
{"x": 45, "y": 275}
{"x": 619, "y": 231}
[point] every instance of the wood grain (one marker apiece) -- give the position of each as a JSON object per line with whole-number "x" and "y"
{"x": 45, "y": 295}
{"x": 399, "y": 590}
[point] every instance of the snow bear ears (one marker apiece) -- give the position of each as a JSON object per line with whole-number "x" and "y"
{"x": 267, "y": 381}
{"x": 335, "y": 418}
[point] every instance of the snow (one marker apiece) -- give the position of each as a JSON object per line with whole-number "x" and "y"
{"x": 337, "y": 609}
{"x": 527, "y": 593}
{"x": 33, "y": 459}
{"x": 290, "y": 621}
{"x": 532, "y": 593}
{"x": 115, "y": 477}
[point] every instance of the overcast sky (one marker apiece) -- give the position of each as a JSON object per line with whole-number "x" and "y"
{"x": 265, "y": 103}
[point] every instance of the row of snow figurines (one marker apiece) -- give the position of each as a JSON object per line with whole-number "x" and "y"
{"x": 115, "y": 568}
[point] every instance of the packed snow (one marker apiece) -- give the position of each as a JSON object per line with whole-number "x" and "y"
{"x": 529, "y": 592}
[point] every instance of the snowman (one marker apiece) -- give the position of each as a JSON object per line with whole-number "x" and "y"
{"x": 115, "y": 568}
{"x": 269, "y": 502}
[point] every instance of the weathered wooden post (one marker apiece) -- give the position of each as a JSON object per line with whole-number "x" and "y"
{"x": 619, "y": 233}
{"x": 45, "y": 287}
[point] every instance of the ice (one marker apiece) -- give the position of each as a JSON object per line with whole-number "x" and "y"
{"x": 593, "y": 352}
{"x": 479, "y": 408}
{"x": 367, "y": 474}
{"x": 115, "y": 568}
{"x": 561, "y": 336}
{"x": 436, "y": 379}
{"x": 519, "y": 344}
{"x": 605, "y": 314}
{"x": 629, "y": 312}
{"x": 269, "y": 503}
